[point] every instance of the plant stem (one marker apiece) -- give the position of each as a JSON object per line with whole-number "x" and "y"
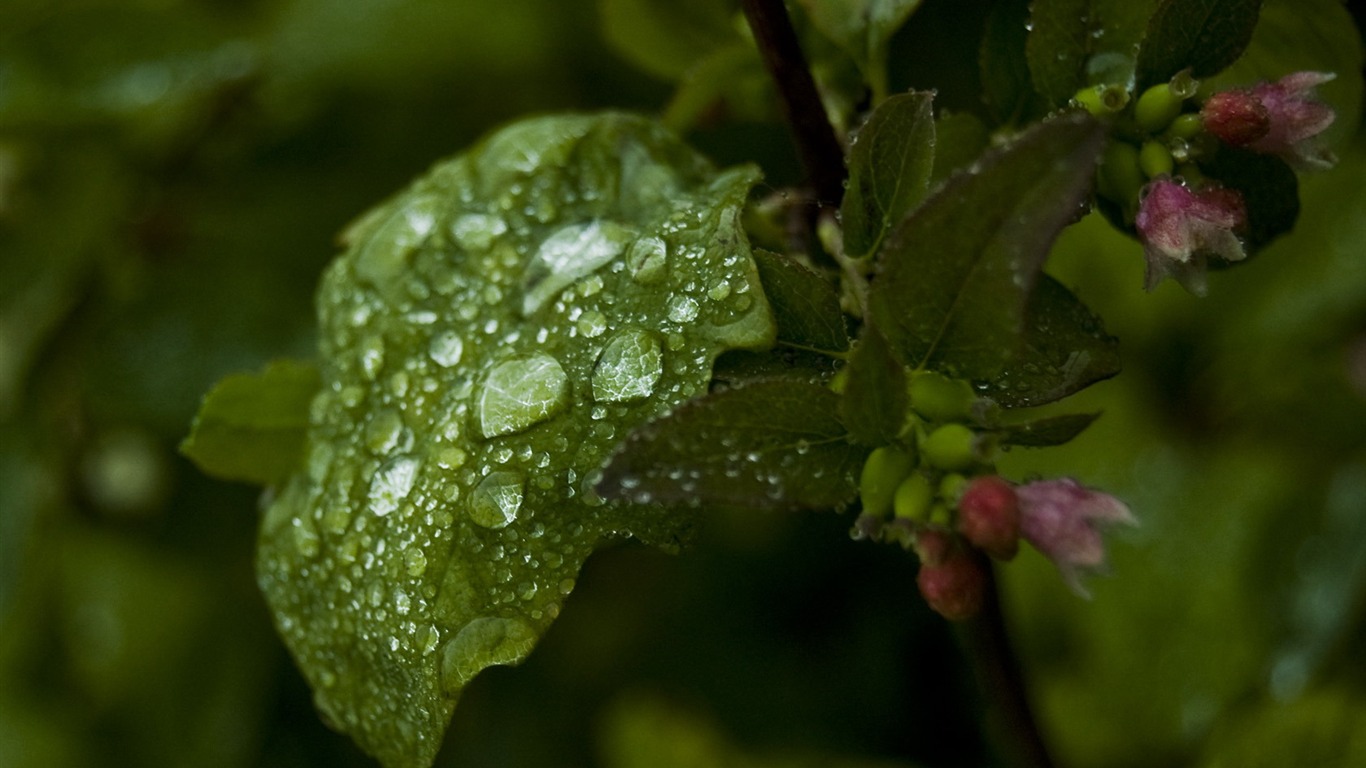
{"x": 820, "y": 150}
{"x": 1010, "y": 720}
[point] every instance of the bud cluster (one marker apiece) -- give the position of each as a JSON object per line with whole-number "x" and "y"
{"x": 1151, "y": 172}
{"x": 935, "y": 492}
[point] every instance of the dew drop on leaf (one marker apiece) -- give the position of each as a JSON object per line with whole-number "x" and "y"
{"x": 391, "y": 484}
{"x": 647, "y": 260}
{"x": 629, "y": 367}
{"x": 446, "y": 349}
{"x": 495, "y": 502}
{"x": 568, "y": 254}
{"x": 521, "y": 392}
{"x": 484, "y": 642}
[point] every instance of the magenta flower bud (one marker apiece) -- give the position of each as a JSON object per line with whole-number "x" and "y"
{"x": 989, "y": 516}
{"x": 1236, "y": 117}
{"x": 955, "y": 587}
{"x": 933, "y": 545}
{"x": 1297, "y": 118}
{"x": 1064, "y": 520}
{"x": 1181, "y": 228}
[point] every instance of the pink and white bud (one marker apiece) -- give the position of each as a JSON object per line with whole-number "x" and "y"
{"x": 956, "y": 586}
{"x": 989, "y": 516}
{"x": 1236, "y": 117}
{"x": 1064, "y": 520}
{"x": 1297, "y": 117}
{"x": 1181, "y": 228}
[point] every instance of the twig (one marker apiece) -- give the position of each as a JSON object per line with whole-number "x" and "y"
{"x": 816, "y": 142}
{"x": 1010, "y": 720}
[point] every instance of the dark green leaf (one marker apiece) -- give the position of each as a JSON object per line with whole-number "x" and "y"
{"x": 740, "y": 367}
{"x": 958, "y": 140}
{"x": 1075, "y": 43}
{"x": 252, "y": 427}
{"x": 666, "y": 38}
{"x": 805, "y": 305}
{"x": 1065, "y": 350}
{"x": 862, "y": 28}
{"x": 487, "y": 339}
{"x": 1042, "y": 433}
{"x": 955, "y": 275}
{"x": 770, "y": 445}
{"x": 1269, "y": 187}
{"x": 873, "y": 406}
{"x": 890, "y": 162}
{"x": 730, "y": 82}
{"x": 1203, "y": 35}
{"x": 1006, "y": 85}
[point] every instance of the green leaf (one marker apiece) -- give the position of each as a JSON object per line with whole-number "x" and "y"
{"x": 1075, "y": 43}
{"x": 252, "y": 426}
{"x": 729, "y": 82}
{"x": 955, "y": 275}
{"x": 769, "y": 445}
{"x": 1006, "y": 85}
{"x": 862, "y": 28}
{"x": 488, "y": 338}
{"x": 1269, "y": 187}
{"x": 805, "y": 304}
{"x": 958, "y": 140}
{"x": 1065, "y": 350}
{"x": 1203, "y": 35}
{"x": 1046, "y": 432}
{"x": 666, "y": 38}
{"x": 874, "y": 402}
{"x": 890, "y": 161}
{"x": 740, "y": 367}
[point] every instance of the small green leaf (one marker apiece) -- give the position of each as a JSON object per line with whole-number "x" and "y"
{"x": 1075, "y": 43}
{"x": 874, "y": 402}
{"x": 862, "y": 28}
{"x": 1065, "y": 350}
{"x": 955, "y": 275}
{"x": 1204, "y": 36}
{"x": 252, "y": 426}
{"x": 487, "y": 339}
{"x": 1043, "y": 433}
{"x": 890, "y": 162}
{"x": 769, "y": 445}
{"x": 666, "y": 38}
{"x": 805, "y": 305}
{"x": 729, "y": 82}
{"x": 1269, "y": 187}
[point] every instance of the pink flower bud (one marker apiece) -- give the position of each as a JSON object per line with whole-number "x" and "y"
{"x": 989, "y": 516}
{"x": 1236, "y": 117}
{"x": 1180, "y": 228}
{"x": 1063, "y": 519}
{"x": 1297, "y": 117}
{"x": 956, "y": 587}
{"x": 933, "y": 545}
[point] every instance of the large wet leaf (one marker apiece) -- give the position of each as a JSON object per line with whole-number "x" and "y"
{"x": 955, "y": 275}
{"x": 489, "y": 336}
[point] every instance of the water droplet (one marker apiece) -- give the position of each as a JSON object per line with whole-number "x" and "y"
{"x": 402, "y": 603}
{"x": 592, "y": 324}
{"x": 383, "y": 432}
{"x": 521, "y": 392}
{"x": 647, "y": 260}
{"x": 682, "y": 309}
{"x": 719, "y": 291}
{"x": 384, "y": 256}
{"x": 337, "y": 517}
{"x": 629, "y": 367}
{"x": 568, "y": 254}
{"x": 305, "y": 537}
{"x": 414, "y": 562}
{"x": 446, "y": 349}
{"x": 494, "y": 503}
{"x": 429, "y": 638}
{"x": 391, "y": 484}
{"x": 371, "y": 356}
{"x": 482, "y": 643}
{"x": 477, "y": 231}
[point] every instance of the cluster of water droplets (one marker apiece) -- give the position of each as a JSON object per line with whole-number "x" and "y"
{"x": 487, "y": 340}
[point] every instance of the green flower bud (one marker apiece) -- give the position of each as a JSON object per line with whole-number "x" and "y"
{"x": 914, "y": 497}
{"x": 838, "y": 381}
{"x": 1186, "y": 126}
{"x": 939, "y": 398}
{"x": 1101, "y": 100}
{"x": 952, "y": 447}
{"x": 1155, "y": 159}
{"x": 882, "y": 473}
{"x": 1157, "y": 107}
{"x": 951, "y": 487}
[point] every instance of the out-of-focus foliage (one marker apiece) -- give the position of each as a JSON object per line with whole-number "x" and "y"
{"x": 172, "y": 177}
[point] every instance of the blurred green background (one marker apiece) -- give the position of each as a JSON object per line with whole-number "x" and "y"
{"x": 172, "y": 176}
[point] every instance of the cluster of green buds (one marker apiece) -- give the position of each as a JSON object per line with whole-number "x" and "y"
{"x": 924, "y": 492}
{"x": 1156, "y": 135}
